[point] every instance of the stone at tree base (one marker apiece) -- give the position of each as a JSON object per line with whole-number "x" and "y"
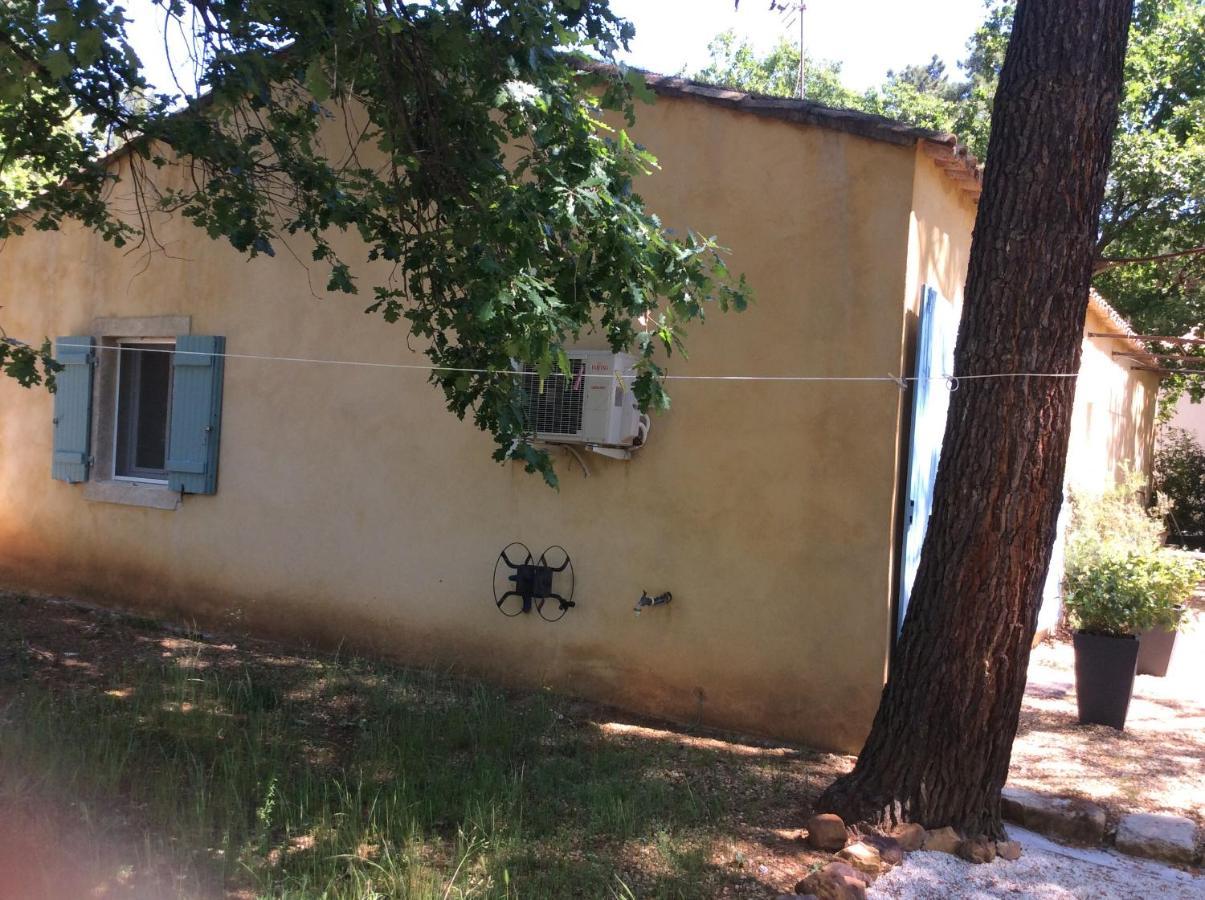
{"x": 1010, "y": 850}
{"x": 910, "y": 835}
{"x": 977, "y": 850}
{"x": 942, "y": 840}
{"x": 796, "y": 897}
{"x": 836, "y": 881}
{"x": 1076, "y": 821}
{"x": 1168, "y": 838}
{"x": 864, "y": 857}
{"x": 890, "y": 850}
{"x": 827, "y": 832}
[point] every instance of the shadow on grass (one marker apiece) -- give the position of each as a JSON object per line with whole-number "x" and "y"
{"x": 206, "y": 769}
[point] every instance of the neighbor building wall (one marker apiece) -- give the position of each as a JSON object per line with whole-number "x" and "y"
{"x": 1189, "y": 416}
{"x": 353, "y": 508}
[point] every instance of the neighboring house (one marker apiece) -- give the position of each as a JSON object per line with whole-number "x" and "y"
{"x": 1189, "y": 416}
{"x": 347, "y": 507}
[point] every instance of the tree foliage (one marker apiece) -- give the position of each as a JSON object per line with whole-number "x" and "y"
{"x": 481, "y": 178}
{"x": 1180, "y": 476}
{"x": 735, "y": 63}
{"x": 1154, "y": 208}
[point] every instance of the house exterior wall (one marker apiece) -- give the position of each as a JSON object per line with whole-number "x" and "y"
{"x": 939, "y": 234}
{"x": 351, "y": 507}
{"x": 1113, "y": 420}
{"x": 1113, "y": 423}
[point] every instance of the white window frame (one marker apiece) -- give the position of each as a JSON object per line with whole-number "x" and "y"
{"x": 124, "y": 342}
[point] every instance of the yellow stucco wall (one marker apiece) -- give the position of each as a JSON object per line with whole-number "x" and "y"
{"x": 352, "y": 507}
{"x": 1113, "y": 424}
{"x": 939, "y": 234}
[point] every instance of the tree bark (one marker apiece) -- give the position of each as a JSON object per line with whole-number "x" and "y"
{"x": 939, "y": 748}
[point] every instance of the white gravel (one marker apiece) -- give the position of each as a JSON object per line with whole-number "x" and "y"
{"x": 1045, "y": 871}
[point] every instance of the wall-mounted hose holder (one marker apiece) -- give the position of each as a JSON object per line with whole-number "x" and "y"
{"x": 523, "y": 583}
{"x": 647, "y": 601}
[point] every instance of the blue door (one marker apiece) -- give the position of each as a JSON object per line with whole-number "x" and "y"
{"x": 930, "y": 403}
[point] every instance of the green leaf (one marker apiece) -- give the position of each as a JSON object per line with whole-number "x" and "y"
{"x": 87, "y": 48}
{"x": 639, "y": 87}
{"x": 316, "y": 81}
{"x": 58, "y": 64}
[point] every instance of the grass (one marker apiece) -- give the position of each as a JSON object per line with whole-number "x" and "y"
{"x": 200, "y": 772}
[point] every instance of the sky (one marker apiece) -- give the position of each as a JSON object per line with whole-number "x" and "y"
{"x": 867, "y": 37}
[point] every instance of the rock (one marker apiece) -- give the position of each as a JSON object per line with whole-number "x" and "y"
{"x": 890, "y": 850}
{"x": 1076, "y": 821}
{"x": 836, "y": 881}
{"x": 942, "y": 840}
{"x": 911, "y": 836}
{"x": 826, "y": 832}
{"x": 864, "y": 857}
{"x": 977, "y": 850}
{"x": 796, "y": 897}
{"x": 1168, "y": 838}
{"x": 1010, "y": 850}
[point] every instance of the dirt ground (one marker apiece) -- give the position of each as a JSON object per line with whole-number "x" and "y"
{"x": 755, "y": 838}
{"x": 1156, "y": 765}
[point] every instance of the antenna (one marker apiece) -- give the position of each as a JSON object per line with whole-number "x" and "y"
{"x": 791, "y": 14}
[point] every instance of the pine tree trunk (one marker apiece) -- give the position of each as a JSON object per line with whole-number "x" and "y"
{"x": 939, "y": 749}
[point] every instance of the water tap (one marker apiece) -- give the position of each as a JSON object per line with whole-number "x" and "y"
{"x": 646, "y": 600}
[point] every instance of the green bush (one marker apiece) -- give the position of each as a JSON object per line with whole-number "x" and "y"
{"x": 1112, "y": 524}
{"x": 1180, "y": 476}
{"x": 1125, "y": 593}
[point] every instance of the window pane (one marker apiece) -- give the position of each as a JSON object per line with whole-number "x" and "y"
{"x": 143, "y": 409}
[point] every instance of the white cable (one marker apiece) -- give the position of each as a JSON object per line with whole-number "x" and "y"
{"x": 900, "y": 382}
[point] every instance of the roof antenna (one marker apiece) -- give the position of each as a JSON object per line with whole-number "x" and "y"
{"x": 792, "y": 13}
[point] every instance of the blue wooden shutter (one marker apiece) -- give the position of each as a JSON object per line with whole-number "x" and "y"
{"x": 196, "y": 414}
{"x": 930, "y": 404}
{"x": 73, "y": 409}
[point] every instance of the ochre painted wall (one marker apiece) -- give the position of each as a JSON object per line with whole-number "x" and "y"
{"x": 352, "y": 507}
{"x": 1113, "y": 424}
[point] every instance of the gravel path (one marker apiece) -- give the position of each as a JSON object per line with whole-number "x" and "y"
{"x": 1154, "y": 766}
{"x": 1046, "y": 871}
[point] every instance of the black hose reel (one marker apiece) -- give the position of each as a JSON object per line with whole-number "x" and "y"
{"x": 523, "y": 583}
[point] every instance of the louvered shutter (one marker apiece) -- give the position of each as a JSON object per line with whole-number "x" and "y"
{"x": 196, "y": 414}
{"x": 73, "y": 409}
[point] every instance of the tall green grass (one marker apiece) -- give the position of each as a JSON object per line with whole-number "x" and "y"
{"x": 345, "y": 780}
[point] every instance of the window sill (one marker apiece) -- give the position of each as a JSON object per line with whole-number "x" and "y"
{"x": 131, "y": 493}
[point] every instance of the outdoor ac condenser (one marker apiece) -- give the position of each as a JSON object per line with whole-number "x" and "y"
{"x": 591, "y": 406}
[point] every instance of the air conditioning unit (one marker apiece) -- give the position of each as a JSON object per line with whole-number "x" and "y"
{"x": 591, "y": 406}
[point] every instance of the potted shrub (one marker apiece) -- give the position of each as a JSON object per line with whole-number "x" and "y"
{"x": 1109, "y": 603}
{"x": 1100, "y": 602}
{"x": 1173, "y": 583}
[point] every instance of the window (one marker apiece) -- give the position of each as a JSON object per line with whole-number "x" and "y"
{"x": 144, "y": 391}
{"x": 137, "y": 416}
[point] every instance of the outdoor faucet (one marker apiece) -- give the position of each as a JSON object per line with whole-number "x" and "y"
{"x": 646, "y": 600}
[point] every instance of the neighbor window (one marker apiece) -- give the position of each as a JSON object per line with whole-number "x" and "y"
{"x": 144, "y": 392}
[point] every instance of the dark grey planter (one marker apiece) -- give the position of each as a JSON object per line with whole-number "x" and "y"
{"x": 1155, "y": 651}
{"x": 1104, "y": 677}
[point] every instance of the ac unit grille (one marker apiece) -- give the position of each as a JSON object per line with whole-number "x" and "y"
{"x": 557, "y": 409}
